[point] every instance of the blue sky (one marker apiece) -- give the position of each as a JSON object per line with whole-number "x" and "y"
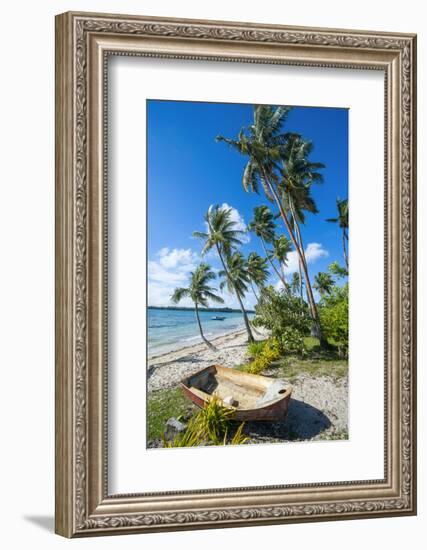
{"x": 188, "y": 171}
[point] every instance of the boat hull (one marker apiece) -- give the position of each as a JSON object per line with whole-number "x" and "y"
{"x": 250, "y": 389}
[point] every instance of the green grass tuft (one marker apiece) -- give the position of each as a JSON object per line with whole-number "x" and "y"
{"x": 316, "y": 362}
{"x": 162, "y": 405}
{"x": 256, "y": 348}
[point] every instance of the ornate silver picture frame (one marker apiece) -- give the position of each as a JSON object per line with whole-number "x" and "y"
{"x": 84, "y": 42}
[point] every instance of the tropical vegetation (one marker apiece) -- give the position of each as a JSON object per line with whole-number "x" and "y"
{"x": 224, "y": 237}
{"x": 267, "y": 149}
{"x": 278, "y": 165}
{"x": 210, "y": 426}
{"x": 286, "y": 316}
{"x": 306, "y": 317}
{"x": 342, "y": 221}
{"x": 257, "y": 270}
{"x": 200, "y": 292}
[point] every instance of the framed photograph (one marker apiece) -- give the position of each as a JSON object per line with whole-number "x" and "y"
{"x": 235, "y": 274}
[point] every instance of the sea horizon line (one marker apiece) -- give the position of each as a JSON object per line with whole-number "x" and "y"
{"x": 210, "y": 309}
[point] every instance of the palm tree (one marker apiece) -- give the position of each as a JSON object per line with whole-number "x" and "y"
{"x": 236, "y": 280}
{"x": 337, "y": 271}
{"x": 296, "y": 283}
{"x": 297, "y": 176}
{"x": 223, "y": 236}
{"x": 323, "y": 283}
{"x": 256, "y": 267}
{"x": 281, "y": 248}
{"x": 264, "y": 227}
{"x": 264, "y": 144}
{"x": 342, "y": 220}
{"x": 200, "y": 292}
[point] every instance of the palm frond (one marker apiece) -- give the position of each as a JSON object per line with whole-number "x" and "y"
{"x": 179, "y": 294}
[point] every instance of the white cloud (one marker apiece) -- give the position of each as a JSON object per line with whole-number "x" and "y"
{"x": 177, "y": 258}
{"x": 313, "y": 252}
{"x": 237, "y": 218}
{"x": 170, "y": 270}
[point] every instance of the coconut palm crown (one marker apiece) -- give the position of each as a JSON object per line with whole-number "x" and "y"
{"x": 281, "y": 248}
{"x": 264, "y": 226}
{"x": 199, "y": 292}
{"x": 257, "y": 270}
{"x": 298, "y": 174}
{"x": 323, "y": 283}
{"x": 264, "y": 143}
{"x": 342, "y": 220}
{"x": 236, "y": 277}
{"x": 295, "y": 284}
{"x": 223, "y": 236}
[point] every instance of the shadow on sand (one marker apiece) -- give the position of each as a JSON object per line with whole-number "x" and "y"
{"x": 302, "y": 422}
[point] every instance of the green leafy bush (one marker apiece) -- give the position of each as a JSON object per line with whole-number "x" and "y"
{"x": 286, "y": 316}
{"x": 255, "y": 348}
{"x": 214, "y": 420}
{"x": 291, "y": 339}
{"x": 265, "y": 356}
{"x": 210, "y": 425}
{"x": 334, "y": 318}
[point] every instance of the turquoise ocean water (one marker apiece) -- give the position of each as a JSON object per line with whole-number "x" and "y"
{"x": 174, "y": 329}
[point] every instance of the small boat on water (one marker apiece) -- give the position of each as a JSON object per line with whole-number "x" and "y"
{"x": 217, "y": 318}
{"x": 251, "y": 396}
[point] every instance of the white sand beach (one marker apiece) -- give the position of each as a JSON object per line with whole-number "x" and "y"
{"x": 319, "y": 404}
{"x": 167, "y": 370}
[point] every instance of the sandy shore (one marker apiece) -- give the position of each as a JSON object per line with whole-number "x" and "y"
{"x": 318, "y": 408}
{"x": 166, "y": 370}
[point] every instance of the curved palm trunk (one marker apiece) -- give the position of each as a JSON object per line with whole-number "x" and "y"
{"x": 205, "y": 340}
{"x": 272, "y": 264}
{"x": 242, "y": 307}
{"x": 313, "y": 308}
{"x": 344, "y": 245}
{"x": 299, "y": 239}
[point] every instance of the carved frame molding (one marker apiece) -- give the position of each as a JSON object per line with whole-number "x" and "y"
{"x": 83, "y": 43}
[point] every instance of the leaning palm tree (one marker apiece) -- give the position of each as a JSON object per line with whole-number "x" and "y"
{"x": 298, "y": 174}
{"x": 256, "y": 267}
{"x": 281, "y": 248}
{"x": 342, "y": 220}
{"x": 200, "y": 292}
{"x": 323, "y": 283}
{"x": 337, "y": 271}
{"x": 263, "y": 226}
{"x": 264, "y": 144}
{"x": 223, "y": 236}
{"x": 236, "y": 279}
{"x": 295, "y": 283}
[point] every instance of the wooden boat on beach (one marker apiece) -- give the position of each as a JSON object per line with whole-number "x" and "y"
{"x": 251, "y": 396}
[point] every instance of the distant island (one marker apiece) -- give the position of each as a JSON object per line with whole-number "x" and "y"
{"x": 210, "y": 309}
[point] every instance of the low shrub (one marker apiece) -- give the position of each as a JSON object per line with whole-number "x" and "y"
{"x": 255, "y": 348}
{"x": 286, "y": 316}
{"x": 214, "y": 420}
{"x": 292, "y": 340}
{"x": 269, "y": 353}
{"x": 334, "y": 318}
{"x": 211, "y": 425}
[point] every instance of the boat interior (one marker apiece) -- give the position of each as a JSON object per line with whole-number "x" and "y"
{"x": 239, "y": 390}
